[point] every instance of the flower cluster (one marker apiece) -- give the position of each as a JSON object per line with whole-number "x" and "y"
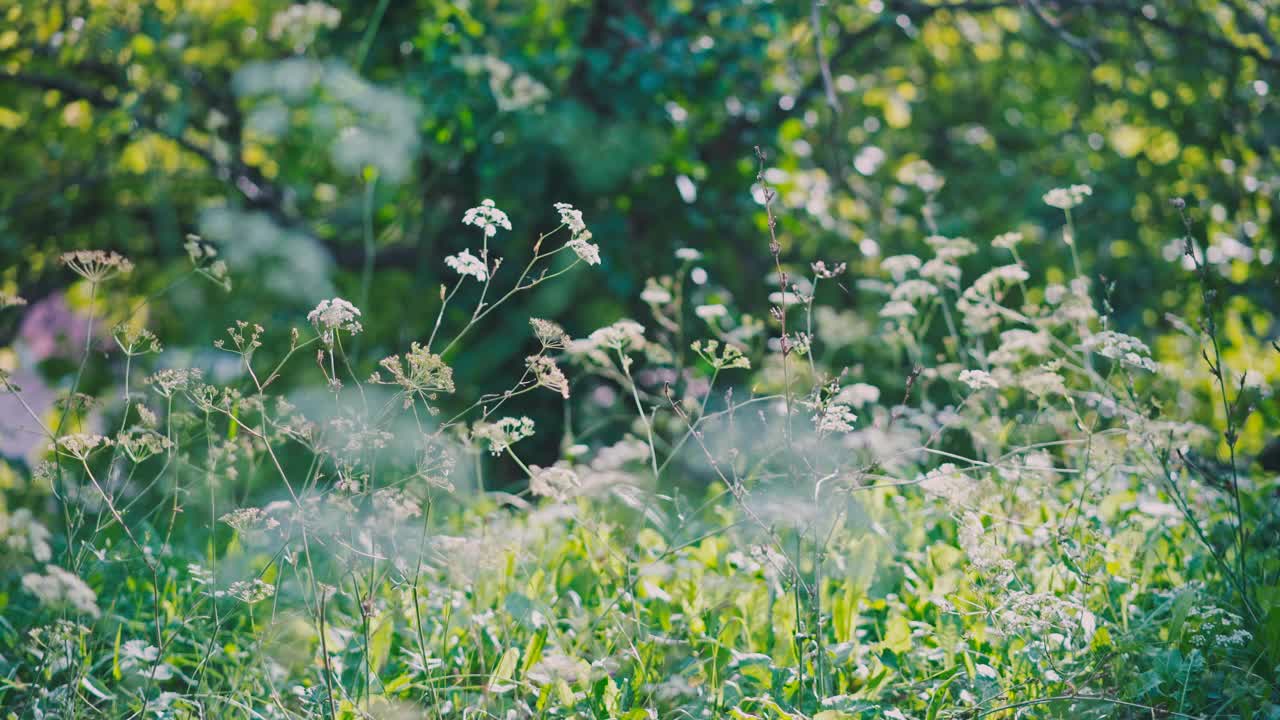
{"x": 948, "y": 483}
{"x": 81, "y": 445}
{"x": 334, "y": 315}
{"x": 580, "y": 242}
{"x": 1068, "y": 197}
{"x": 557, "y": 482}
{"x": 548, "y": 374}
{"x": 418, "y": 373}
{"x": 299, "y": 24}
{"x": 466, "y": 264}
{"x": 96, "y": 265}
{"x": 60, "y": 588}
{"x": 1122, "y": 348}
{"x": 978, "y": 379}
{"x": 551, "y": 335}
{"x": 834, "y": 418}
{"x": 504, "y": 433}
{"x": 487, "y": 217}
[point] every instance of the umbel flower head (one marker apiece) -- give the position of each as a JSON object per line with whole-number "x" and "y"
{"x": 487, "y": 217}
{"x": 335, "y": 314}
{"x": 580, "y": 243}
{"x": 80, "y": 445}
{"x": 96, "y": 265}
{"x": 467, "y": 264}
{"x": 504, "y": 433}
{"x": 1068, "y": 197}
{"x": 419, "y": 374}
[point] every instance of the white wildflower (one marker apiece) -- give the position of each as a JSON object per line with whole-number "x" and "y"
{"x": 897, "y": 309}
{"x": 335, "y": 315}
{"x": 464, "y": 263}
{"x": 22, "y": 534}
{"x": 688, "y": 254}
{"x": 248, "y": 591}
{"x": 80, "y": 445}
{"x": 250, "y": 520}
{"x": 504, "y": 433}
{"x": 551, "y": 335}
{"x": 58, "y": 588}
{"x": 548, "y": 374}
{"x": 711, "y": 312}
{"x": 998, "y": 278}
{"x": 914, "y": 290}
{"x": 172, "y": 380}
{"x": 858, "y": 395}
{"x": 1007, "y": 241}
{"x": 948, "y": 483}
{"x": 622, "y": 335}
{"x": 950, "y": 249}
{"x": 96, "y": 265}
{"x": 1017, "y": 343}
{"x": 978, "y": 379}
{"x": 397, "y": 504}
{"x": 899, "y": 265}
{"x": 572, "y": 218}
{"x": 1126, "y": 349}
{"x": 984, "y": 554}
{"x": 1043, "y": 382}
{"x": 557, "y": 481}
{"x": 1068, "y": 197}
{"x": 487, "y": 217}
{"x": 941, "y": 271}
{"x": 654, "y": 293}
{"x": 586, "y": 251}
{"x": 141, "y": 658}
{"x": 833, "y": 418}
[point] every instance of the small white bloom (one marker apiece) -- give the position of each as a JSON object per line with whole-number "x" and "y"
{"x": 655, "y": 294}
{"x": 711, "y": 312}
{"x": 1127, "y": 349}
{"x": 947, "y": 248}
{"x": 1068, "y": 197}
{"x": 940, "y": 271}
{"x": 572, "y": 218}
{"x": 622, "y": 335}
{"x": 899, "y": 265}
{"x": 487, "y": 217}
{"x": 948, "y": 483}
{"x": 58, "y": 587}
{"x": 467, "y": 264}
{"x": 504, "y": 433}
{"x": 557, "y": 482}
{"x": 588, "y": 252}
{"x": 978, "y": 379}
{"x": 914, "y": 290}
{"x": 1007, "y": 241}
{"x": 1044, "y": 382}
{"x": 80, "y": 445}
{"x": 688, "y": 254}
{"x": 897, "y": 309}
{"x": 858, "y": 394}
{"x": 833, "y": 418}
{"x": 335, "y": 314}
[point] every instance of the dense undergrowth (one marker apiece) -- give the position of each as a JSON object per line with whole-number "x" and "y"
{"x": 1035, "y": 517}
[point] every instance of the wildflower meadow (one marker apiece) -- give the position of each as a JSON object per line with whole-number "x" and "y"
{"x": 843, "y": 360}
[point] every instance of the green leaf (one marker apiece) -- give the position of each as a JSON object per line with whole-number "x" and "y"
{"x": 940, "y": 696}
{"x": 897, "y": 635}
{"x": 500, "y": 680}
{"x": 533, "y": 651}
